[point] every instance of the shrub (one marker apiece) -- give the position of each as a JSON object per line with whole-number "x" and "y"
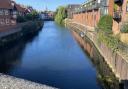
{"x": 29, "y": 17}
{"x": 61, "y": 14}
{"x": 21, "y": 19}
{"x": 124, "y": 28}
{"x": 110, "y": 40}
{"x": 105, "y": 24}
{"x": 28, "y": 28}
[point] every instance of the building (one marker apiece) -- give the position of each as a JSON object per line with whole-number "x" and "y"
{"x": 9, "y": 10}
{"x": 91, "y": 11}
{"x": 6, "y": 13}
{"x": 47, "y": 15}
{"x": 71, "y": 9}
{"x": 120, "y": 15}
{"x": 88, "y": 13}
{"x": 20, "y": 10}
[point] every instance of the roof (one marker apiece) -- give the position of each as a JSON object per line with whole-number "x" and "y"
{"x": 20, "y": 8}
{"x": 6, "y": 4}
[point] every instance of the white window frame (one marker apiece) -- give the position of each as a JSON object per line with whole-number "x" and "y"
{"x": 6, "y": 12}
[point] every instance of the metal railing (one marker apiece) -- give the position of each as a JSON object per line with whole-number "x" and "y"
{"x": 118, "y": 1}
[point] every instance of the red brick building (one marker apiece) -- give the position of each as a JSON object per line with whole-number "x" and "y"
{"x": 120, "y": 14}
{"x": 9, "y": 11}
{"x": 6, "y": 10}
{"x": 93, "y": 10}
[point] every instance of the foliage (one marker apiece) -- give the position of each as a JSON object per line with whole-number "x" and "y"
{"x": 31, "y": 27}
{"x": 115, "y": 7}
{"x": 28, "y": 17}
{"x": 35, "y": 15}
{"x": 61, "y": 14}
{"x": 110, "y": 40}
{"x": 105, "y": 24}
{"x": 124, "y": 28}
{"x": 20, "y": 19}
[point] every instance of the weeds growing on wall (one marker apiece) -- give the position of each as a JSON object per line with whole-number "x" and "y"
{"x": 105, "y": 33}
{"x": 105, "y": 24}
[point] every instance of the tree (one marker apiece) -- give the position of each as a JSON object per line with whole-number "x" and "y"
{"x": 60, "y": 15}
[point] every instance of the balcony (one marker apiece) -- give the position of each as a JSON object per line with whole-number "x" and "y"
{"x": 118, "y": 1}
{"x": 93, "y": 5}
{"x": 117, "y": 15}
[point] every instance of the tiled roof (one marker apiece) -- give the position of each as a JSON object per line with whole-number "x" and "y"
{"x": 6, "y": 4}
{"x": 20, "y": 8}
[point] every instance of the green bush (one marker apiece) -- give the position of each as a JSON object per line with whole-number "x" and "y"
{"x": 21, "y": 19}
{"x": 124, "y": 28}
{"x": 61, "y": 14}
{"x": 28, "y": 28}
{"x": 29, "y": 17}
{"x": 105, "y": 24}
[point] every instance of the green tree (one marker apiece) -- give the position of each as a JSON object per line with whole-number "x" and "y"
{"x": 61, "y": 14}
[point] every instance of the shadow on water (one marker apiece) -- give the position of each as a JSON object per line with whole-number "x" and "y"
{"x": 10, "y": 55}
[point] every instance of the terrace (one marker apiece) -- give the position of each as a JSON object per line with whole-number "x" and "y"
{"x": 91, "y": 5}
{"x": 118, "y": 1}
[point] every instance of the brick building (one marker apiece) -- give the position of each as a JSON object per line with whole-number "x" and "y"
{"x": 9, "y": 11}
{"x": 120, "y": 14}
{"x": 90, "y": 12}
{"x": 71, "y": 9}
{"x": 6, "y": 13}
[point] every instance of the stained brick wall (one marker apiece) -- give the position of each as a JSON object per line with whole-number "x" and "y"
{"x": 124, "y": 13}
{"x": 124, "y": 18}
{"x": 90, "y": 18}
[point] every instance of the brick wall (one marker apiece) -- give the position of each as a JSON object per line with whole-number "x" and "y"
{"x": 124, "y": 13}
{"x": 90, "y": 18}
{"x": 111, "y": 7}
{"x": 124, "y": 18}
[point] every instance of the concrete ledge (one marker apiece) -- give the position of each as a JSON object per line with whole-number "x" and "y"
{"x": 9, "y": 82}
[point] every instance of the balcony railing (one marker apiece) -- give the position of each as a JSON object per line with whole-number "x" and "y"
{"x": 118, "y": 1}
{"x": 117, "y": 15}
{"x": 94, "y": 5}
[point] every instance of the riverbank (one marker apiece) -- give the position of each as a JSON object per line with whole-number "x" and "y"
{"x": 115, "y": 60}
{"x": 14, "y": 33}
{"x": 9, "y": 82}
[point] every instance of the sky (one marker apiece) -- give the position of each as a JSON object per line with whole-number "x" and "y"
{"x": 50, "y": 4}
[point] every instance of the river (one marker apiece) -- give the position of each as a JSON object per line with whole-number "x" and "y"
{"x": 51, "y": 57}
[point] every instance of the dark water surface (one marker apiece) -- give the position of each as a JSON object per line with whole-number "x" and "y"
{"x": 52, "y": 57}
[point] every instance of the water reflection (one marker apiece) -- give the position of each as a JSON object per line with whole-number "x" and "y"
{"x": 10, "y": 55}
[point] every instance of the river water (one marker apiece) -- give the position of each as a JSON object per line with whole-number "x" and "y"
{"x": 51, "y": 57}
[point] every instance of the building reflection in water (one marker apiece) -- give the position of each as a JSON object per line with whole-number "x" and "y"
{"x": 10, "y": 55}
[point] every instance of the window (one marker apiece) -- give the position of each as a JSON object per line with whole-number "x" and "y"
{"x": 127, "y": 7}
{"x": 1, "y": 12}
{"x": 14, "y": 12}
{"x": 1, "y": 21}
{"x": 6, "y": 12}
{"x": 7, "y": 21}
